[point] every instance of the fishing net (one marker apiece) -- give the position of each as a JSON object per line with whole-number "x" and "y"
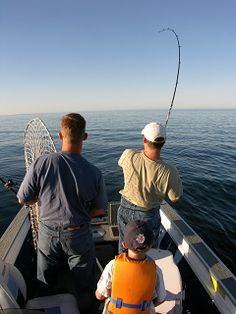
{"x": 37, "y": 142}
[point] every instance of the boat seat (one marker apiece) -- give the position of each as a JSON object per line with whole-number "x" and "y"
{"x": 172, "y": 281}
{"x": 13, "y": 288}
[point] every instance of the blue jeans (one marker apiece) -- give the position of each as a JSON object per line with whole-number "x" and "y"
{"x": 128, "y": 211}
{"x": 54, "y": 244}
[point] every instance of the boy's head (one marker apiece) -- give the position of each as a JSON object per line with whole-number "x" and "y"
{"x": 138, "y": 236}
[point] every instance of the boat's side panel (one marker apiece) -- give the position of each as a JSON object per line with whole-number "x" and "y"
{"x": 216, "y": 278}
{"x": 14, "y": 237}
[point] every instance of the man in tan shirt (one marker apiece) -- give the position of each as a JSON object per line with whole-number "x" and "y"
{"x": 148, "y": 180}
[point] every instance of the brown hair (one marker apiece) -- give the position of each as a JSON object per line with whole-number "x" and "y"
{"x": 73, "y": 127}
{"x": 157, "y": 144}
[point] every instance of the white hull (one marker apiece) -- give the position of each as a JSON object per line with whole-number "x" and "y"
{"x": 214, "y": 276}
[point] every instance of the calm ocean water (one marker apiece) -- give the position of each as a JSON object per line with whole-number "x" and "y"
{"x": 201, "y": 143}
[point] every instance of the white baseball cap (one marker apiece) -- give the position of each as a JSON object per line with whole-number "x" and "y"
{"x": 154, "y": 131}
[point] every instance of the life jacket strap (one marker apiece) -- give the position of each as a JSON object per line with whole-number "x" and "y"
{"x": 119, "y": 303}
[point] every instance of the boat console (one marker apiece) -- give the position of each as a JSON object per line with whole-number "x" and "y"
{"x": 105, "y": 229}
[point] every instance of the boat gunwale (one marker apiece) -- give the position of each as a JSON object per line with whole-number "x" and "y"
{"x": 13, "y": 238}
{"x": 196, "y": 252}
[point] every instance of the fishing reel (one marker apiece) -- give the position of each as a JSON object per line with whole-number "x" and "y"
{"x": 8, "y": 184}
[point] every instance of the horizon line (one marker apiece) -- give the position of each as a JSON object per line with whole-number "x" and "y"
{"x": 113, "y": 110}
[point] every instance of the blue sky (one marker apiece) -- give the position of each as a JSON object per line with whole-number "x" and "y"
{"x": 76, "y": 55}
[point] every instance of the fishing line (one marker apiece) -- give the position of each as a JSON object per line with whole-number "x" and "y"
{"x": 177, "y": 76}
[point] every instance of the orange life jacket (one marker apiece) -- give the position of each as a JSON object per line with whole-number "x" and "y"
{"x": 133, "y": 283}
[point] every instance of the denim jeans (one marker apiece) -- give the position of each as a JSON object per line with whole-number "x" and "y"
{"x": 54, "y": 244}
{"x": 128, "y": 212}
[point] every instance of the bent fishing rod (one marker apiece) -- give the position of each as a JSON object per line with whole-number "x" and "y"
{"x": 177, "y": 76}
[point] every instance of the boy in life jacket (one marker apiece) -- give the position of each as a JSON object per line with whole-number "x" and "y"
{"x": 132, "y": 283}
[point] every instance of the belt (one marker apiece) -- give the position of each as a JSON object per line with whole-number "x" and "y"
{"x": 74, "y": 227}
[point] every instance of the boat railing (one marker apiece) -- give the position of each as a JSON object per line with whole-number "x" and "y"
{"x": 13, "y": 238}
{"x": 216, "y": 278}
